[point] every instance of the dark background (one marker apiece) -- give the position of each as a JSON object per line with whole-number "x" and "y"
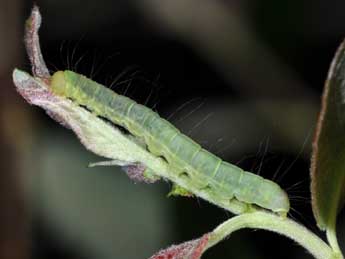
{"x": 243, "y": 78}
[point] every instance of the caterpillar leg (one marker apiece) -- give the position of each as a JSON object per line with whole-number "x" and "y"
{"x": 241, "y": 207}
{"x": 179, "y": 191}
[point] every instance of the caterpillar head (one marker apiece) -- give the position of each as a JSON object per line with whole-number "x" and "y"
{"x": 281, "y": 204}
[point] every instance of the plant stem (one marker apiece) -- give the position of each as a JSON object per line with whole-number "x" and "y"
{"x": 284, "y": 226}
{"x": 332, "y": 238}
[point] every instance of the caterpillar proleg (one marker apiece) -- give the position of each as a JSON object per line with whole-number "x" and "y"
{"x": 184, "y": 156}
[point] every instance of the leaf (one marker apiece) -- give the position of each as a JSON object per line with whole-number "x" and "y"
{"x": 187, "y": 250}
{"x": 328, "y": 156}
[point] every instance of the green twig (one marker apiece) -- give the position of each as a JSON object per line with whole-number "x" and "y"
{"x": 284, "y": 226}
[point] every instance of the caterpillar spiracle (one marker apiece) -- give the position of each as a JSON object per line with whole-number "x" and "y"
{"x": 183, "y": 155}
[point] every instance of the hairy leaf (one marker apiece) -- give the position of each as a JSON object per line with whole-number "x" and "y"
{"x": 328, "y": 157}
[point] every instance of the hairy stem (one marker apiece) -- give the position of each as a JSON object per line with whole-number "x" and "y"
{"x": 284, "y": 226}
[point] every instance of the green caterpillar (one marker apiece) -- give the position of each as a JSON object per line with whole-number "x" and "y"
{"x": 183, "y": 155}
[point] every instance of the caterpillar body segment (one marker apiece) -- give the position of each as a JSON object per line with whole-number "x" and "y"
{"x": 227, "y": 174}
{"x": 184, "y": 156}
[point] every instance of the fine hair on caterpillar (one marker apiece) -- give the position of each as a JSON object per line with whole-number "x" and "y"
{"x": 72, "y": 53}
{"x": 212, "y": 175}
{"x": 263, "y": 158}
{"x": 296, "y": 187}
